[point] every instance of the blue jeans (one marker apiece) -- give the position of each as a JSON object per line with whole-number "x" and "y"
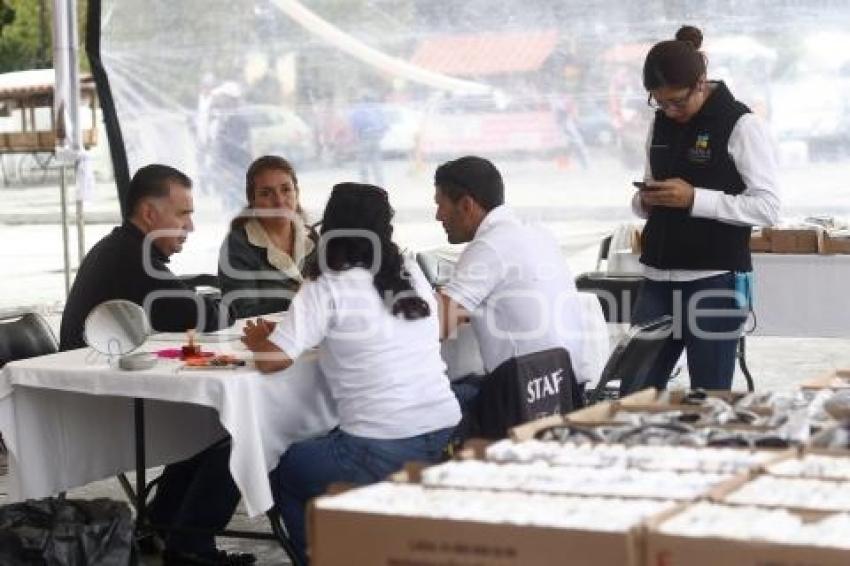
{"x": 309, "y": 467}
{"x": 710, "y": 338}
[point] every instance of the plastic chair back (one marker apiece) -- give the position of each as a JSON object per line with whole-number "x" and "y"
{"x": 617, "y": 293}
{"x": 632, "y": 360}
{"x": 25, "y": 337}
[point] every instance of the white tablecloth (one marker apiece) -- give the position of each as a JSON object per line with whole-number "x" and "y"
{"x": 795, "y": 295}
{"x": 67, "y": 419}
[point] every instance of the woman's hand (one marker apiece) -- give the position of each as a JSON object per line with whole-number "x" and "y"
{"x": 256, "y": 334}
{"x": 672, "y": 193}
{"x": 267, "y": 357}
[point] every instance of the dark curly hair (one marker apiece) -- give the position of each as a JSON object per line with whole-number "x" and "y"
{"x": 356, "y": 206}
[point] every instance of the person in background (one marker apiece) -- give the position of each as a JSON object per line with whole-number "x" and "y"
{"x": 373, "y": 316}
{"x": 369, "y": 123}
{"x": 711, "y": 174}
{"x": 565, "y": 110}
{"x": 265, "y": 250}
{"x": 131, "y": 264}
{"x": 230, "y": 144}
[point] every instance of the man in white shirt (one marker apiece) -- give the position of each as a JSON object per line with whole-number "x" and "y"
{"x": 511, "y": 281}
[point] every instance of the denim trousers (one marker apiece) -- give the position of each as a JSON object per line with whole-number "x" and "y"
{"x": 707, "y": 324}
{"x": 309, "y": 467}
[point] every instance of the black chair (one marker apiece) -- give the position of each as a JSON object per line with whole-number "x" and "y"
{"x": 617, "y": 293}
{"x": 429, "y": 264}
{"x": 26, "y": 336}
{"x": 632, "y": 359}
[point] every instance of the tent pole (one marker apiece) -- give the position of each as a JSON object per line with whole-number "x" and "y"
{"x": 63, "y": 218}
{"x": 81, "y": 226}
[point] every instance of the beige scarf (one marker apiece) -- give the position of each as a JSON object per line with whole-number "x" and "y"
{"x": 289, "y": 265}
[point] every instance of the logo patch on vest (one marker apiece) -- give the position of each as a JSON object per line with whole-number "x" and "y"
{"x": 701, "y": 152}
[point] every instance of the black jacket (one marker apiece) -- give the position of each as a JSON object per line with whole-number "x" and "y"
{"x": 269, "y": 292}
{"x": 114, "y": 269}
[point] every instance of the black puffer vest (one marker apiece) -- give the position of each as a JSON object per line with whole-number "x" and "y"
{"x": 697, "y": 152}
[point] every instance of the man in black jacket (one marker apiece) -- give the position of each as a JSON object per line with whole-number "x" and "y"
{"x": 131, "y": 263}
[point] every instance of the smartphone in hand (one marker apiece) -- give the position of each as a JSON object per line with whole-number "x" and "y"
{"x": 642, "y": 186}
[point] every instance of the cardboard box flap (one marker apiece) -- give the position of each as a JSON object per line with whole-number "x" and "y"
{"x": 835, "y": 379}
{"x": 527, "y": 431}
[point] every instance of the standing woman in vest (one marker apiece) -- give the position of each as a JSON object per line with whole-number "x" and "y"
{"x": 710, "y": 176}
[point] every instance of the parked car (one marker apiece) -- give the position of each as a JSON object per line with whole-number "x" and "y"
{"x": 277, "y": 130}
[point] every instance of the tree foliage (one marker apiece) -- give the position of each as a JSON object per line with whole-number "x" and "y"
{"x": 26, "y": 42}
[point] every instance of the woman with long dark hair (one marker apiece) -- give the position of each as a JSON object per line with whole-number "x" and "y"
{"x": 710, "y": 176}
{"x": 263, "y": 255}
{"x": 373, "y": 316}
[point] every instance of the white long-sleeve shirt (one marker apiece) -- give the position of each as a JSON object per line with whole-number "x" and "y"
{"x": 754, "y": 153}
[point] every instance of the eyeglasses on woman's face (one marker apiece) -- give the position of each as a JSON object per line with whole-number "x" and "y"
{"x": 660, "y": 101}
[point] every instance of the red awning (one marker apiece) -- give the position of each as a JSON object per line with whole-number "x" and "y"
{"x": 485, "y": 53}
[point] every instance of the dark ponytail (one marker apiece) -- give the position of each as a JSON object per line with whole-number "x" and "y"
{"x": 355, "y": 206}
{"x": 677, "y": 62}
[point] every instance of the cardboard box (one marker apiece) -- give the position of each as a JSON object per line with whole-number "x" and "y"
{"x": 652, "y": 396}
{"x": 527, "y": 431}
{"x": 806, "y": 450}
{"x": 794, "y": 241}
{"x": 835, "y": 379}
{"x": 673, "y": 550}
{"x": 819, "y": 442}
{"x": 832, "y": 244}
{"x": 474, "y": 449}
{"x": 759, "y": 241}
{"x": 636, "y": 243}
{"x": 348, "y": 538}
{"x": 671, "y": 400}
{"x": 721, "y": 492}
{"x": 616, "y": 413}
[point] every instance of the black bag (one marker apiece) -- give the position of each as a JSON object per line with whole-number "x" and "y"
{"x": 55, "y": 532}
{"x": 523, "y": 389}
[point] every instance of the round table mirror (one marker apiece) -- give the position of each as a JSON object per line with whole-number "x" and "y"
{"x": 116, "y": 327}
